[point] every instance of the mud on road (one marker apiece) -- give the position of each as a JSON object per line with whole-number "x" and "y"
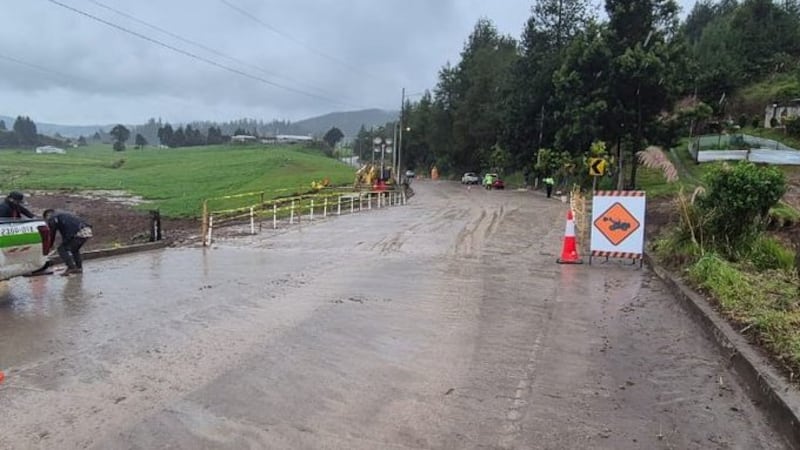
{"x": 442, "y": 324}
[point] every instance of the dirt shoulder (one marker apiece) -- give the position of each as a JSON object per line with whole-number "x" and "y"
{"x": 114, "y": 219}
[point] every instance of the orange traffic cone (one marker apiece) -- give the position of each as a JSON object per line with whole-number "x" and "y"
{"x": 569, "y": 250}
{"x": 2, "y": 376}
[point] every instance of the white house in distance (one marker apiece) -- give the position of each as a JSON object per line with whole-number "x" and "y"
{"x": 289, "y": 138}
{"x": 50, "y": 149}
{"x": 242, "y": 139}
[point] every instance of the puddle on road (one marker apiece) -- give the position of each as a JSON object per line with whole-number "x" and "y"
{"x": 47, "y": 313}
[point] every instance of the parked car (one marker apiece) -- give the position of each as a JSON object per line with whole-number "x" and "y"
{"x": 498, "y": 184}
{"x": 410, "y": 174}
{"x": 470, "y": 178}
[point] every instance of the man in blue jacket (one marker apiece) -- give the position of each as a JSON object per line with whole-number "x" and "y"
{"x": 74, "y": 233}
{"x": 13, "y": 206}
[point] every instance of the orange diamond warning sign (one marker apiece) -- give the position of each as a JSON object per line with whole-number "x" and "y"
{"x": 616, "y": 224}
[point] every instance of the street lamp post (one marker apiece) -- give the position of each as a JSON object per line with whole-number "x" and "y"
{"x": 380, "y": 145}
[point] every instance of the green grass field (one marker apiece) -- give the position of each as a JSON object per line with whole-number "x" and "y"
{"x": 174, "y": 180}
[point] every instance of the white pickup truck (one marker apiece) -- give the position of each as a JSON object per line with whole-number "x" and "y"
{"x": 24, "y": 246}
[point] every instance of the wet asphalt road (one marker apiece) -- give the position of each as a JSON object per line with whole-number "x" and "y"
{"x": 442, "y": 324}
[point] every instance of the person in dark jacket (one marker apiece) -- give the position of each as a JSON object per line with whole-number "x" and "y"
{"x": 74, "y": 233}
{"x": 13, "y": 206}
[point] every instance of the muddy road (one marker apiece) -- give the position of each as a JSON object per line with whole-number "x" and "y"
{"x": 442, "y": 324}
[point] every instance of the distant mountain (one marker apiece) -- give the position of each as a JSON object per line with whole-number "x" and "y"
{"x": 349, "y": 122}
{"x": 51, "y": 129}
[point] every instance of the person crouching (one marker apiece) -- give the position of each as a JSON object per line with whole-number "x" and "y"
{"x": 74, "y": 233}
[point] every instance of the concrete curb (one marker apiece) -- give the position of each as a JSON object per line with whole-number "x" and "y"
{"x": 766, "y": 385}
{"x": 119, "y": 251}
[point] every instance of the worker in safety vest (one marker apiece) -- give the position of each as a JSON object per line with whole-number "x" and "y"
{"x": 487, "y": 181}
{"x": 548, "y": 185}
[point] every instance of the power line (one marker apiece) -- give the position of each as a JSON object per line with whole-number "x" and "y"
{"x": 292, "y": 38}
{"x": 41, "y": 68}
{"x": 195, "y": 56}
{"x": 202, "y": 46}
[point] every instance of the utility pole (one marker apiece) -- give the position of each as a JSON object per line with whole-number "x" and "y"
{"x": 400, "y": 137}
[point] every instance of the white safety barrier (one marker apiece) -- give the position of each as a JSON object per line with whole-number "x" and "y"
{"x": 293, "y": 209}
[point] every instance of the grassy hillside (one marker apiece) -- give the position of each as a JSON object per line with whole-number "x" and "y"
{"x": 175, "y": 180}
{"x": 754, "y": 98}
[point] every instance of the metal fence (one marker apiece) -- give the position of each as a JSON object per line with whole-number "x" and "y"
{"x": 292, "y": 209}
{"x": 742, "y": 147}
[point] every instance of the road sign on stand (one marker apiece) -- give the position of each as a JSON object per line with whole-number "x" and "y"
{"x": 618, "y": 225}
{"x": 597, "y": 167}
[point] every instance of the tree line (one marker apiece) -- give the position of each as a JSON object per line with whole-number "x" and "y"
{"x": 23, "y": 133}
{"x": 537, "y": 104}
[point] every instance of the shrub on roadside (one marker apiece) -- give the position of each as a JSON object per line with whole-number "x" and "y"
{"x": 737, "y": 202}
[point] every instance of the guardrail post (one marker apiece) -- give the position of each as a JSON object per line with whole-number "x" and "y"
{"x": 325, "y": 209}
{"x": 405, "y": 199}
{"x": 339, "y": 208}
{"x": 352, "y": 204}
{"x": 311, "y": 216}
{"x": 360, "y": 201}
{"x": 369, "y": 201}
{"x": 274, "y": 216}
{"x": 252, "y": 222}
{"x": 291, "y": 214}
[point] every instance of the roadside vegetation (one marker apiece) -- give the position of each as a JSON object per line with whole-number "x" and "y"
{"x": 174, "y": 180}
{"x": 723, "y": 246}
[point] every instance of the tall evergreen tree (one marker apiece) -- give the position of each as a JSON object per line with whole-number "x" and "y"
{"x": 25, "y": 130}
{"x": 529, "y": 109}
{"x": 643, "y": 37}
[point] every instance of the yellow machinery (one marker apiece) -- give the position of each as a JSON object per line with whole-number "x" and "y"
{"x": 369, "y": 175}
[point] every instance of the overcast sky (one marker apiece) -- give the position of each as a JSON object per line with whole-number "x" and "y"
{"x": 326, "y": 55}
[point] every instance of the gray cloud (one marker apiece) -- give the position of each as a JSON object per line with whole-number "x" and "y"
{"x": 105, "y": 75}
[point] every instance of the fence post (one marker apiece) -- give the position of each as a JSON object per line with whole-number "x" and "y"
{"x": 261, "y": 218}
{"x": 311, "y": 216}
{"x": 155, "y": 225}
{"x": 252, "y": 222}
{"x": 274, "y": 216}
{"x": 405, "y": 199}
{"x": 210, "y": 228}
{"x": 291, "y": 214}
{"x": 204, "y": 225}
{"x": 325, "y": 209}
{"x": 360, "y": 201}
{"x": 352, "y": 204}
{"x": 339, "y": 208}
{"x": 369, "y": 201}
